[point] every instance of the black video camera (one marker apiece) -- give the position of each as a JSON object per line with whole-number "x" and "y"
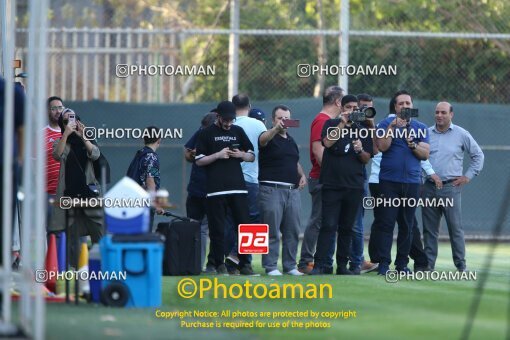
{"x": 408, "y": 113}
{"x": 362, "y": 114}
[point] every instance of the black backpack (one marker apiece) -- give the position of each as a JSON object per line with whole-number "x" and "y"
{"x": 133, "y": 171}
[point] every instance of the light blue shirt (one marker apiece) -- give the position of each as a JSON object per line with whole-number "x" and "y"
{"x": 253, "y": 129}
{"x": 447, "y": 152}
{"x": 375, "y": 168}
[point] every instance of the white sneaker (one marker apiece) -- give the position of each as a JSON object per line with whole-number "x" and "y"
{"x": 294, "y": 272}
{"x": 275, "y": 272}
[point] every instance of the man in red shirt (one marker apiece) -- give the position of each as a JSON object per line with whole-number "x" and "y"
{"x": 331, "y": 108}
{"x": 52, "y": 133}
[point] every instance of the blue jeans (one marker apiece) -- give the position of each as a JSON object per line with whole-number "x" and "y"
{"x": 253, "y": 207}
{"x": 357, "y": 258}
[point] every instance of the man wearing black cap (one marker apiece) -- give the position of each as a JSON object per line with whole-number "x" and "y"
{"x": 220, "y": 149}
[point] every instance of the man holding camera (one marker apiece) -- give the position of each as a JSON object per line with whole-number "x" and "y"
{"x": 404, "y": 144}
{"x": 280, "y": 175}
{"x": 220, "y": 149}
{"x": 358, "y": 264}
{"x": 345, "y": 155}
{"x": 416, "y": 253}
{"x": 448, "y": 143}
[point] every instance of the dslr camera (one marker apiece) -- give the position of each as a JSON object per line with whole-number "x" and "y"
{"x": 408, "y": 113}
{"x": 362, "y": 114}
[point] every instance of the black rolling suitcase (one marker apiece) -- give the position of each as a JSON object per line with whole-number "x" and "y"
{"x": 182, "y": 247}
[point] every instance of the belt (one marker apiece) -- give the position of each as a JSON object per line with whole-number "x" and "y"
{"x": 448, "y": 181}
{"x": 278, "y": 186}
{"x": 444, "y": 182}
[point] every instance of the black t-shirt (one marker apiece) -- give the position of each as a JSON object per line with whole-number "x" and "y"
{"x": 341, "y": 167}
{"x": 278, "y": 160}
{"x": 224, "y": 176}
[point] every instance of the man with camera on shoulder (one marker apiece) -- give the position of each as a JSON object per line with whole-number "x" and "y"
{"x": 345, "y": 154}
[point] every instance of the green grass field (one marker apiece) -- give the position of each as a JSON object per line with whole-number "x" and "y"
{"x": 402, "y": 310}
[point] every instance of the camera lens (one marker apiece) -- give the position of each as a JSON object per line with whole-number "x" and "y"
{"x": 370, "y": 112}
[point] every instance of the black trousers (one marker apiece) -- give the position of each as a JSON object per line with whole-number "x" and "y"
{"x": 385, "y": 224}
{"x": 196, "y": 207}
{"x": 417, "y": 252}
{"x": 217, "y": 209}
{"x": 339, "y": 211}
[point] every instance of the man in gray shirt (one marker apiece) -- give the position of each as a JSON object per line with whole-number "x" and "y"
{"x": 448, "y": 143}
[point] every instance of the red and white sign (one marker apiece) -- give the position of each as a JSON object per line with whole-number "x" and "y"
{"x": 253, "y": 239}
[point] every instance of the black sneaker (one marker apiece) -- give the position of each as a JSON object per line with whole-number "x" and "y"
{"x": 231, "y": 267}
{"x": 232, "y": 260}
{"x": 210, "y": 269}
{"x": 319, "y": 270}
{"x": 354, "y": 271}
{"x": 342, "y": 270}
{"x": 422, "y": 268}
{"x": 246, "y": 269}
{"x": 222, "y": 269}
{"x": 232, "y": 270}
{"x": 404, "y": 270}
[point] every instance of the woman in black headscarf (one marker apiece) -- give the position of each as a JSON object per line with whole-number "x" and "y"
{"x": 76, "y": 179}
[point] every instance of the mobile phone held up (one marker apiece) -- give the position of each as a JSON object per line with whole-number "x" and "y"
{"x": 72, "y": 118}
{"x": 293, "y": 123}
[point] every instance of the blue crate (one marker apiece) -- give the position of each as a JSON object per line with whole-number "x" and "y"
{"x": 142, "y": 262}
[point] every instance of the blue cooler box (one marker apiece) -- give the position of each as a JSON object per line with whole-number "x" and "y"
{"x": 136, "y": 225}
{"x": 129, "y": 210}
{"x": 141, "y": 259}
